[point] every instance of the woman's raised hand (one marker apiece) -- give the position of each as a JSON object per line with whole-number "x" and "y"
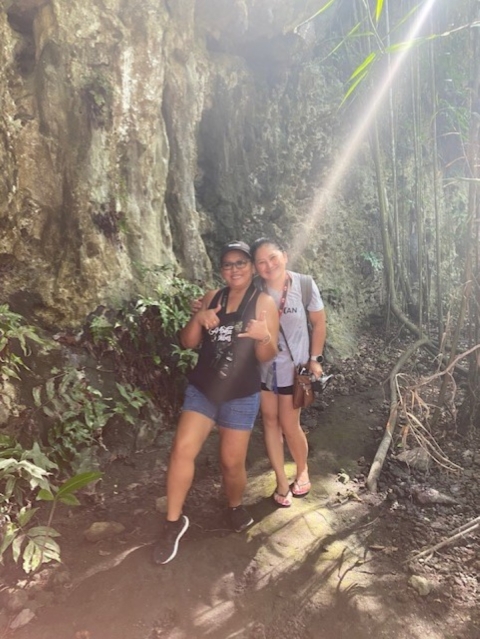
{"x": 208, "y": 318}
{"x": 257, "y": 329}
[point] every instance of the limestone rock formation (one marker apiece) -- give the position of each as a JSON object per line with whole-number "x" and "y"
{"x": 140, "y": 134}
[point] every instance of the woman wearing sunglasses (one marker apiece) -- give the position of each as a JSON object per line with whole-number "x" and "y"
{"x": 281, "y": 420}
{"x": 236, "y": 328}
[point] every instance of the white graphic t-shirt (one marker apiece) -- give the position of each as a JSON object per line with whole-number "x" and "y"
{"x": 294, "y": 324}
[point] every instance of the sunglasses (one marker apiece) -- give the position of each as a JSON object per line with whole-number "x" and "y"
{"x": 239, "y": 264}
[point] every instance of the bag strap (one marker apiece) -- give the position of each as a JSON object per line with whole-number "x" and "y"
{"x": 306, "y": 284}
{"x": 216, "y": 298}
{"x": 281, "y": 306}
{"x": 221, "y": 297}
{"x": 288, "y": 347}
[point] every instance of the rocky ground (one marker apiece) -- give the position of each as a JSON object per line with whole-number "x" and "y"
{"x": 339, "y": 563}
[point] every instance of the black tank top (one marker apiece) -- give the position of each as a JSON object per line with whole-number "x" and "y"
{"x": 227, "y": 367}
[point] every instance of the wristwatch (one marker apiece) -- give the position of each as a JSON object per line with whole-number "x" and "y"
{"x": 317, "y": 358}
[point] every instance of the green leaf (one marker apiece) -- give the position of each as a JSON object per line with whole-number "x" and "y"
{"x": 10, "y": 486}
{"x": 32, "y": 557}
{"x": 24, "y": 516}
{"x": 17, "y": 547}
{"x": 49, "y": 548}
{"x": 363, "y": 66}
{"x": 9, "y": 372}
{"x": 39, "y": 458}
{"x": 6, "y": 441}
{"x": 11, "y": 531}
{"x": 78, "y": 481}
{"x": 45, "y": 495}
{"x": 5, "y": 464}
{"x": 37, "y": 399}
{"x": 378, "y": 11}
{"x": 352, "y": 88}
{"x": 123, "y": 391}
{"x": 43, "y": 531}
{"x": 324, "y": 8}
{"x": 50, "y": 388}
{"x": 69, "y": 500}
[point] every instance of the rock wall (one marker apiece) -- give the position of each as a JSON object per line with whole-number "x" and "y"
{"x": 136, "y": 133}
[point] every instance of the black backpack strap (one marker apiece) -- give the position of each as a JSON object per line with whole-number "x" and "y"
{"x": 259, "y": 283}
{"x": 249, "y": 293}
{"x": 221, "y": 297}
{"x": 216, "y": 298}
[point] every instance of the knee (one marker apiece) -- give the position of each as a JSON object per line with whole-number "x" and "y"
{"x": 295, "y": 437}
{"x": 232, "y": 465}
{"x": 270, "y": 419}
{"x": 182, "y": 451}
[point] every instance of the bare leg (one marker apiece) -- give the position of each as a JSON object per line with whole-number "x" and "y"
{"x": 233, "y": 453}
{"x": 274, "y": 438}
{"x": 294, "y": 435}
{"x": 193, "y": 429}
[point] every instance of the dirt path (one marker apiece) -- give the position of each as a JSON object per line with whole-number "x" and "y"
{"x": 324, "y": 569}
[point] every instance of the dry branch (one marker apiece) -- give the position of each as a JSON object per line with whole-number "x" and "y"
{"x": 381, "y": 453}
{"x": 459, "y": 532}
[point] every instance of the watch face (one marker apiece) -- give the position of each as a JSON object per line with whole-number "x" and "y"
{"x": 320, "y": 359}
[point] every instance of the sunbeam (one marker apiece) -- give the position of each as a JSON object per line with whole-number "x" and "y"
{"x": 331, "y": 183}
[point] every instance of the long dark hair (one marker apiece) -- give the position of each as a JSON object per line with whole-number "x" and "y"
{"x": 265, "y": 240}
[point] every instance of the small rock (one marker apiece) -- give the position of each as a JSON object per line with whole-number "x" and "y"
{"x": 22, "y": 619}
{"x": 146, "y": 435}
{"x": 420, "y": 584}
{"x": 428, "y": 495}
{"x": 103, "y": 530}
{"x": 161, "y": 505}
{"x": 415, "y": 458}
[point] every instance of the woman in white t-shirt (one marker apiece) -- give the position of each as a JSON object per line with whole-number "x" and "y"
{"x": 280, "y": 419}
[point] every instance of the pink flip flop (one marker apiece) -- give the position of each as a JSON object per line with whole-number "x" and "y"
{"x": 284, "y": 501}
{"x": 300, "y": 490}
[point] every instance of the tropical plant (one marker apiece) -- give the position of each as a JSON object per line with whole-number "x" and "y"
{"x": 151, "y": 323}
{"x": 78, "y": 413}
{"x": 26, "y": 477}
{"x": 15, "y": 335}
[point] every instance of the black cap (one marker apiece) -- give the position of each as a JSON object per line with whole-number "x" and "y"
{"x": 236, "y": 246}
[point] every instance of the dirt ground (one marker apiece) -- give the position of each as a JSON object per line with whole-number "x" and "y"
{"x": 333, "y": 566}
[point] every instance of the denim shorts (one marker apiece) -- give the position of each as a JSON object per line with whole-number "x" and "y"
{"x": 238, "y": 414}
